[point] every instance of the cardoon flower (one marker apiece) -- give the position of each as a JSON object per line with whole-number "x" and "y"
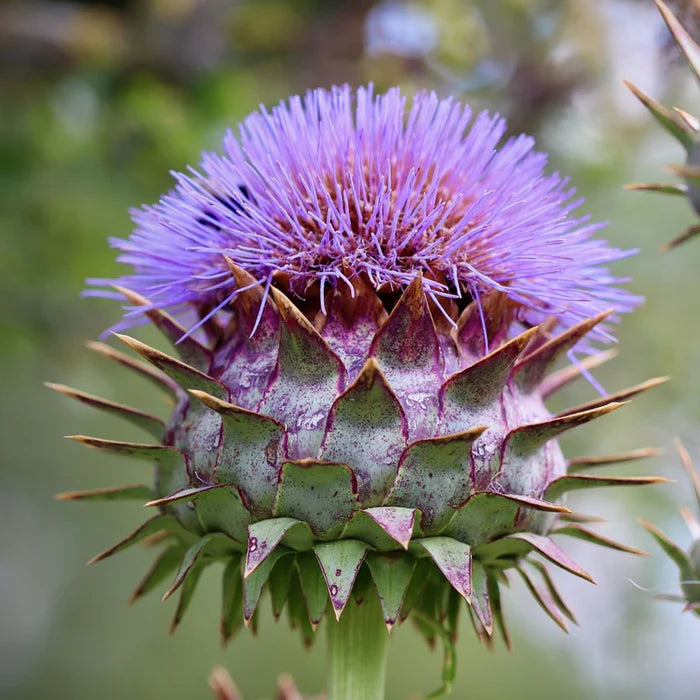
{"x": 372, "y": 297}
{"x": 683, "y": 126}
{"x": 688, "y": 563}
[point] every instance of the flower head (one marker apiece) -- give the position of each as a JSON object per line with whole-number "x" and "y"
{"x": 345, "y": 183}
{"x": 358, "y": 416}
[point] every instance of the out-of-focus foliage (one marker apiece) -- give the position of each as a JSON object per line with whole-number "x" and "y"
{"x": 99, "y": 102}
{"x": 681, "y": 125}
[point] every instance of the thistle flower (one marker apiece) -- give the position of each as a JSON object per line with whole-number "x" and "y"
{"x": 320, "y": 191}
{"x": 688, "y": 563}
{"x": 682, "y": 125}
{"x": 379, "y": 295}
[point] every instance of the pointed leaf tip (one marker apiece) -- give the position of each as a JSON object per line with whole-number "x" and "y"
{"x": 679, "y": 557}
{"x": 392, "y": 575}
{"x": 186, "y": 593}
{"x": 340, "y": 563}
{"x": 668, "y": 120}
{"x": 182, "y": 495}
{"x": 480, "y": 602}
{"x": 264, "y": 536}
{"x": 550, "y": 550}
{"x": 690, "y": 119}
{"x": 473, "y": 393}
{"x": 561, "y": 378}
{"x": 545, "y": 599}
{"x": 313, "y": 586}
{"x": 552, "y": 589}
{"x": 582, "y": 533}
{"x": 254, "y": 584}
{"x": 689, "y": 233}
{"x": 620, "y": 397}
{"x": 189, "y": 560}
{"x": 166, "y": 562}
{"x": 692, "y": 522}
{"x": 151, "y": 424}
{"x": 529, "y": 371}
{"x": 579, "y": 463}
{"x": 129, "y": 492}
{"x": 574, "y": 482}
{"x": 487, "y": 515}
{"x": 188, "y": 348}
{"x": 184, "y": 375}
{"x": 156, "y": 524}
{"x": 685, "y": 42}
{"x": 528, "y": 438}
{"x": 156, "y": 377}
{"x": 497, "y": 609}
{"x": 453, "y": 558}
{"x": 397, "y": 522}
{"x": 687, "y": 463}
{"x": 659, "y": 187}
{"x": 167, "y": 457}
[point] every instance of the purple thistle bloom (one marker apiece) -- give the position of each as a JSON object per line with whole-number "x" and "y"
{"x": 342, "y": 183}
{"x": 330, "y": 426}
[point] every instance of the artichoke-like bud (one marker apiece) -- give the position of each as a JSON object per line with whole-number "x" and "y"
{"x": 682, "y": 125}
{"x": 688, "y": 562}
{"x": 359, "y": 412}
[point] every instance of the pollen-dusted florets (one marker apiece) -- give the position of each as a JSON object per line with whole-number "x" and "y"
{"x": 343, "y": 183}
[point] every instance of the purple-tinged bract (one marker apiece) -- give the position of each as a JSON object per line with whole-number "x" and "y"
{"x": 364, "y": 412}
{"x": 343, "y": 183}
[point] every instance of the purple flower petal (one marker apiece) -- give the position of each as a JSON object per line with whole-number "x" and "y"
{"x": 341, "y": 183}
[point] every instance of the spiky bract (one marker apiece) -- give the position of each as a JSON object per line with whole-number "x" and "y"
{"x": 368, "y": 449}
{"x": 344, "y": 183}
{"x": 688, "y": 562}
{"x": 366, "y": 416}
{"x": 682, "y": 125}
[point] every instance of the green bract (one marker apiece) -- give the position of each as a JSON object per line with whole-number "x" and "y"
{"x": 688, "y": 562}
{"x": 682, "y": 125}
{"x": 375, "y": 447}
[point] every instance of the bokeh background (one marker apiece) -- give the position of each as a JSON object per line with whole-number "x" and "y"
{"x": 100, "y": 101}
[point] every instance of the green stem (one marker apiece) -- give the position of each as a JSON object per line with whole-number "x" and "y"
{"x": 357, "y": 648}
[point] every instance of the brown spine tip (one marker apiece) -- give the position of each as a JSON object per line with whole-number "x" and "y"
{"x": 136, "y": 345}
{"x": 606, "y": 460}
{"x": 131, "y": 295}
{"x": 687, "y": 463}
{"x": 207, "y": 399}
{"x": 530, "y": 371}
{"x": 690, "y": 119}
{"x": 242, "y": 277}
{"x": 622, "y": 396}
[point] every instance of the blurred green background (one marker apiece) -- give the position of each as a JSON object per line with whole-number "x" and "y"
{"x": 99, "y": 102}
